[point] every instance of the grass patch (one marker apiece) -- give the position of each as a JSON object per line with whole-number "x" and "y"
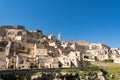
{"x": 84, "y": 71}
{"x": 113, "y": 70}
{"x": 37, "y": 73}
{"x": 80, "y": 71}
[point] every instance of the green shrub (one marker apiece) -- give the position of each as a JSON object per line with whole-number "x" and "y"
{"x": 108, "y": 60}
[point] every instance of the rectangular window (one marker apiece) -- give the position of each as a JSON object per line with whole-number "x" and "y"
{"x": 76, "y": 54}
{"x": 21, "y": 61}
{"x": 67, "y": 63}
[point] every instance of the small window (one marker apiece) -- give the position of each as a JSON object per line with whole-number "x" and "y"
{"x": 22, "y": 66}
{"x": 67, "y": 63}
{"x": 19, "y": 33}
{"x": 76, "y": 54}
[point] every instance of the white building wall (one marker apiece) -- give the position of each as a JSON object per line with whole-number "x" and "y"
{"x": 50, "y": 36}
{"x": 73, "y": 46}
{"x": 119, "y": 51}
{"x": 66, "y": 63}
{"x": 7, "y": 48}
{"x": 64, "y": 44}
{"x": 41, "y": 52}
{"x": 117, "y": 60}
{"x": 52, "y": 44}
{"x": 18, "y": 38}
{"x": 74, "y": 57}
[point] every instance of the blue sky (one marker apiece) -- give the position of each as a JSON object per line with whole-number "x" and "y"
{"x": 91, "y": 20}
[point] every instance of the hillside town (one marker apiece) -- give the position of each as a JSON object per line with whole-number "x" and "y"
{"x": 28, "y": 49}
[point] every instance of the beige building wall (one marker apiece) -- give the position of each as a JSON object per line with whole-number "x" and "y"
{"x": 41, "y": 52}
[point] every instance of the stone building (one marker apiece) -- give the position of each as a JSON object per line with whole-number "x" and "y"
{"x": 40, "y": 52}
{"x": 47, "y": 62}
{"x": 12, "y": 62}
{"x": 75, "y": 58}
{"x": 22, "y": 62}
{"x": 10, "y": 32}
{"x": 4, "y": 52}
{"x": 2, "y": 34}
{"x": 64, "y": 62}
{"x": 3, "y": 62}
{"x": 98, "y": 46}
{"x": 44, "y": 60}
{"x": 72, "y": 59}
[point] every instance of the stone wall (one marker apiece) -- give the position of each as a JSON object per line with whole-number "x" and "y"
{"x": 98, "y": 63}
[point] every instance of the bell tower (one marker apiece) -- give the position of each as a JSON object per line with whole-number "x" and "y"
{"x": 59, "y": 37}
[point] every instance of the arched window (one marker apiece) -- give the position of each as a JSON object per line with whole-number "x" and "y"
{"x": 19, "y": 33}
